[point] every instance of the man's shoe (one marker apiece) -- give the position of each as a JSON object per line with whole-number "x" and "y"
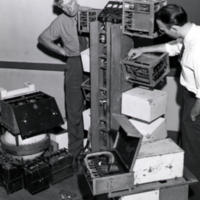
{"x": 75, "y": 165}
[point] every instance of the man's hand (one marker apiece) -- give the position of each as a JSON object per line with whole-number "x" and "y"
{"x": 195, "y": 111}
{"x": 62, "y": 51}
{"x": 134, "y": 53}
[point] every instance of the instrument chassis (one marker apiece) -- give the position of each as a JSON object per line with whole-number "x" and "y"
{"x": 109, "y": 171}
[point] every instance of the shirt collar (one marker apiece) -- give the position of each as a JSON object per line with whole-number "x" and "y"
{"x": 190, "y": 35}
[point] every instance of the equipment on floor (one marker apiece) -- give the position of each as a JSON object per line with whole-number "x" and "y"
{"x": 27, "y": 117}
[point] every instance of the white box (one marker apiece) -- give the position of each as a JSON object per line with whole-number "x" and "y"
{"x": 155, "y": 130}
{"x": 61, "y": 138}
{"x": 86, "y": 119}
{"x": 144, "y": 104}
{"x": 158, "y": 160}
{"x": 64, "y": 126}
{"x": 150, "y": 195}
{"x": 85, "y": 57}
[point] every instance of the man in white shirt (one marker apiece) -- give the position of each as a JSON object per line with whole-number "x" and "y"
{"x": 172, "y": 20}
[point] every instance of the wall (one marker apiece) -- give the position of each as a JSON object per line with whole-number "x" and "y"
{"x": 22, "y": 21}
{"x": 192, "y": 8}
{"x": 49, "y": 82}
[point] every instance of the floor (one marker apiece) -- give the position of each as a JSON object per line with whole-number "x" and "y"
{"x": 75, "y": 185}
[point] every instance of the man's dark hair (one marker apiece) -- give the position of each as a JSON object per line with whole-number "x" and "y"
{"x": 172, "y": 14}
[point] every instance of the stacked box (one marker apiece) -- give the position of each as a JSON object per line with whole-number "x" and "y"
{"x": 60, "y": 136}
{"x": 139, "y": 17}
{"x": 157, "y": 161}
{"x": 144, "y": 104}
{"x": 159, "y": 158}
{"x": 151, "y": 131}
{"x": 148, "y": 69}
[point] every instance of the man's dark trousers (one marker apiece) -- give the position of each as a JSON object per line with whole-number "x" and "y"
{"x": 74, "y": 103}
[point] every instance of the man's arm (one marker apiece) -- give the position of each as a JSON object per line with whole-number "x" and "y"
{"x": 134, "y": 53}
{"x": 49, "y": 44}
{"x": 195, "y": 111}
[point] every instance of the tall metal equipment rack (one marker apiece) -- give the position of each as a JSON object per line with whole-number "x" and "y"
{"x": 108, "y": 47}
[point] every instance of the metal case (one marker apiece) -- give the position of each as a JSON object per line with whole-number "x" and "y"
{"x": 12, "y": 179}
{"x": 60, "y": 163}
{"x": 36, "y": 176}
{"x": 111, "y": 13}
{"x": 30, "y": 114}
{"x": 109, "y": 171}
{"x": 148, "y": 69}
{"x": 139, "y": 17}
{"x": 84, "y": 19}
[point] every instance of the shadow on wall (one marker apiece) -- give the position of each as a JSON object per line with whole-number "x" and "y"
{"x": 51, "y": 53}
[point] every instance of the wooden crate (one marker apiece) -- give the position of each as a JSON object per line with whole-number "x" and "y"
{"x": 148, "y": 69}
{"x": 139, "y": 17}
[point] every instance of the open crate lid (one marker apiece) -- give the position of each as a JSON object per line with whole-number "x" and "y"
{"x": 128, "y": 141}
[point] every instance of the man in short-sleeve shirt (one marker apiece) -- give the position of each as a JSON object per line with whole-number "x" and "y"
{"x": 65, "y": 28}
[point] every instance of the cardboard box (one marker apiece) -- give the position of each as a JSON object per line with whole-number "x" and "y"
{"x": 85, "y": 56}
{"x": 60, "y": 136}
{"x": 155, "y": 130}
{"x": 86, "y": 119}
{"x": 144, "y": 104}
{"x": 157, "y": 161}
